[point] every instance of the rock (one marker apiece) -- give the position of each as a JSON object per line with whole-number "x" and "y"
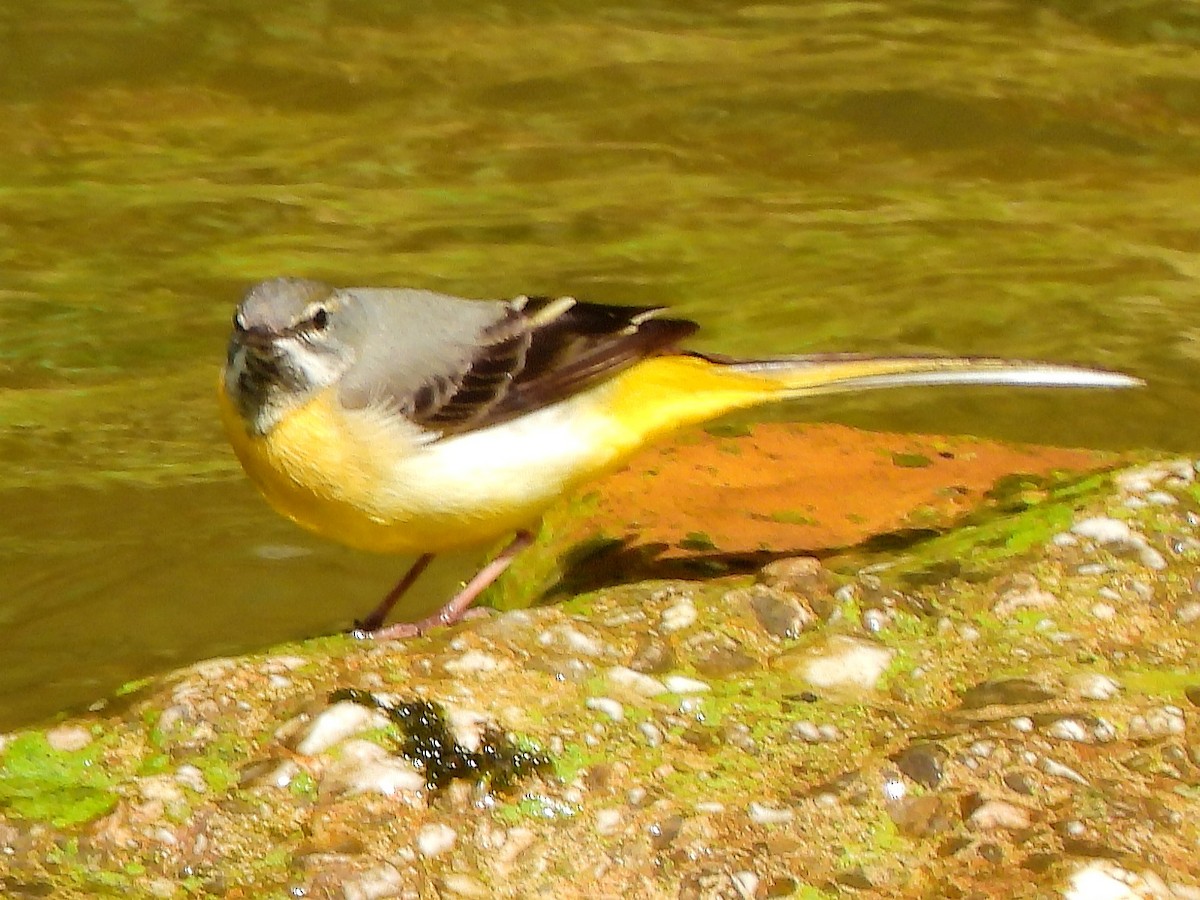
{"x": 335, "y": 724}
{"x": 652, "y": 656}
{"x": 364, "y": 767}
{"x": 679, "y": 615}
{"x": 435, "y": 839}
{"x": 999, "y": 815}
{"x": 1104, "y": 530}
{"x": 1093, "y": 686}
{"x": 1005, "y": 692}
{"x": 923, "y": 763}
{"x": 921, "y": 816}
{"x": 608, "y": 706}
{"x": 635, "y": 682}
{"x": 839, "y": 663}
{"x": 68, "y": 738}
{"x": 780, "y": 614}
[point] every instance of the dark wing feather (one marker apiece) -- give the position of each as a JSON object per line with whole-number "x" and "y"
{"x": 542, "y": 351}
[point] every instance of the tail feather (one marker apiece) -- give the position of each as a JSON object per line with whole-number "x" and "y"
{"x": 805, "y": 376}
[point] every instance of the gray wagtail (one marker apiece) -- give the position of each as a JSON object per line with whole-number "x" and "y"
{"x": 405, "y": 421}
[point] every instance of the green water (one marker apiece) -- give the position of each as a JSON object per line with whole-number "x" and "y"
{"x": 1007, "y": 178}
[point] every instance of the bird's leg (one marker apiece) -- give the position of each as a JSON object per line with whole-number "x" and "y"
{"x": 460, "y": 602}
{"x": 380, "y": 613}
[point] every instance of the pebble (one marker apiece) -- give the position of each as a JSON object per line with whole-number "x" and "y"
{"x": 1024, "y": 596}
{"x": 1058, "y": 770}
{"x": 995, "y": 815}
{"x": 923, "y": 763}
{"x": 608, "y": 706}
{"x": 462, "y": 885}
{"x": 761, "y": 814}
{"x": 652, "y": 656}
{"x": 679, "y": 615}
{"x": 635, "y": 682}
{"x": 1105, "y": 880}
{"x": 1188, "y": 613}
{"x": 681, "y": 684}
{"x": 374, "y": 884}
{"x": 435, "y": 839}
{"x": 1093, "y": 686}
{"x": 474, "y": 662}
{"x": 363, "y": 767}
{"x": 68, "y": 738}
{"x": 191, "y": 777}
{"x": 1166, "y": 721}
{"x": 1151, "y": 558}
{"x": 1105, "y": 612}
{"x": 651, "y": 733}
{"x": 336, "y": 723}
{"x": 608, "y": 820}
{"x": 1104, "y": 530}
{"x": 780, "y": 614}
{"x": 1069, "y": 730}
{"x": 1023, "y": 724}
{"x": 746, "y": 884}
{"x": 570, "y": 639}
{"x": 841, "y": 663}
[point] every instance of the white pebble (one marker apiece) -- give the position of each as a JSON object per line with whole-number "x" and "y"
{"x": 636, "y": 682}
{"x": 363, "y": 767}
{"x": 768, "y": 815}
{"x": 608, "y": 820}
{"x": 337, "y": 723}
{"x": 1069, "y": 730}
{"x": 608, "y": 706}
{"x": 473, "y": 662}
{"x": 1022, "y": 723}
{"x": 1103, "y": 530}
{"x": 435, "y": 839}
{"x": 746, "y": 884}
{"x": 572, "y": 640}
{"x": 845, "y": 663}
{"x": 68, "y": 738}
{"x": 679, "y": 615}
{"x": 681, "y": 684}
{"x": 1094, "y": 686}
{"x": 651, "y": 733}
{"x": 191, "y": 777}
{"x": 1105, "y": 612}
{"x": 1058, "y": 770}
{"x": 1103, "y": 880}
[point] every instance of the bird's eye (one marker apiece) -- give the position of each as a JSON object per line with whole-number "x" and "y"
{"x": 237, "y": 321}
{"x": 320, "y": 318}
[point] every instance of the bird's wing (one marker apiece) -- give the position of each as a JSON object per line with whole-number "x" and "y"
{"x": 524, "y": 354}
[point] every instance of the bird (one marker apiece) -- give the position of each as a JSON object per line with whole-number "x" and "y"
{"x": 406, "y": 421}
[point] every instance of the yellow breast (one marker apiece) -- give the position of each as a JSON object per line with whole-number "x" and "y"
{"x": 367, "y": 479}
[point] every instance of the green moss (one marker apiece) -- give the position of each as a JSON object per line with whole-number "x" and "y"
{"x": 63, "y": 788}
{"x": 303, "y": 785}
{"x": 697, "y": 540}
{"x": 791, "y": 517}
{"x": 911, "y": 460}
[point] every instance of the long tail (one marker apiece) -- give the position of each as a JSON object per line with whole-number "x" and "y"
{"x": 805, "y": 376}
{"x": 664, "y": 393}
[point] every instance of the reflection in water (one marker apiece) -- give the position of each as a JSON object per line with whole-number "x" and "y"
{"x": 1018, "y": 180}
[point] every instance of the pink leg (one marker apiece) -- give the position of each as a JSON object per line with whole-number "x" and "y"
{"x": 461, "y": 602}
{"x": 380, "y": 613}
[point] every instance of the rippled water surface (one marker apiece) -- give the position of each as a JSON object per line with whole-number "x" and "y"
{"x": 1009, "y": 178}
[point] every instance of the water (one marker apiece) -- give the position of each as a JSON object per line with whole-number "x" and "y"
{"x": 1018, "y": 179}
